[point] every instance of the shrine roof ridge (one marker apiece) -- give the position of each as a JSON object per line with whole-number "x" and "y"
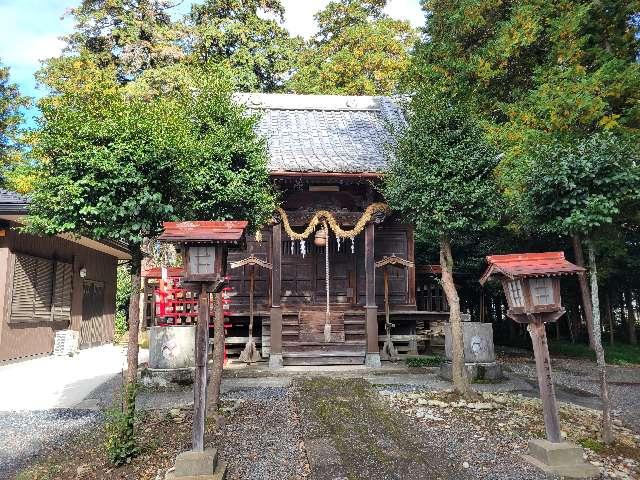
{"x": 325, "y": 133}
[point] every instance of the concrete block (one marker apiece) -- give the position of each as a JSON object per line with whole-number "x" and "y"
{"x": 564, "y": 459}
{"x": 275, "y": 360}
{"x": 193, "y": 463}
{"x": 475, "y": 371}
{"x": 372, "y": 360}
{"x": 478, "y": 342}
{"x": 219, "y": 474}
{"x": 171, "y": 378}
{"x": 172, "y": 347}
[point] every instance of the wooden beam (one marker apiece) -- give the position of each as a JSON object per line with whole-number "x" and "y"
{"x": 370, "y": 290}
{"x": 276, "y": 294}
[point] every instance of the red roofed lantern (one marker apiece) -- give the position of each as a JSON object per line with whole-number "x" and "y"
{"x": 204, "y": 248}
{"x": 531, "y": 283}
{"x": 532, "y": 286}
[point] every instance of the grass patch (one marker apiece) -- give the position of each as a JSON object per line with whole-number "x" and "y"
{"x": 48, "y": 471}
{"x": 592, "y": 444}
{"x": 424, "y": 361}
{"x": 618, "y": 354}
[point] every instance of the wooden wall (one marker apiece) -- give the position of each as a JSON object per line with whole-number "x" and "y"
{"x": 303, "y": 278}
{"x": 26, "y": 339}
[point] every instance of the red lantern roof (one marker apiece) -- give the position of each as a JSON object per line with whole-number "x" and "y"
{"x": 200, "y": 232}
{"x": 522, "y": 265}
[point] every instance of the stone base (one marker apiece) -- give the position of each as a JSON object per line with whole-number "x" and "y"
{"x": 275, "y": 360}
{"x": 564, "y": 459}
{"x": 167, "y": 378}
{"x": 198, "y": 466}
{"x": 475, "y": 371}
{"x": 372, "y": 360}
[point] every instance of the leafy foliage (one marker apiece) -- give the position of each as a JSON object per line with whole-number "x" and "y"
{"x": 114, "y": 167}
{"x": 358, "y": 50}
{"x": 120, "y": 440}
{"x": 580, "y": 185}
{"x": 442, "y": 177}
{"x": 11, "y": 103}
{"x": 129, "y": 35}
{"x": 247, "y": 37}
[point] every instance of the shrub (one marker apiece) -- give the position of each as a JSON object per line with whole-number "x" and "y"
{"x": 424, "y": 361}
{"x": 120, "y": 440}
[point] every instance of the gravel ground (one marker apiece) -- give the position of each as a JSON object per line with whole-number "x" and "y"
{"x": 578, "y": 382}
{"x": 262, "y": 439}
{"x": 27, "y": 435}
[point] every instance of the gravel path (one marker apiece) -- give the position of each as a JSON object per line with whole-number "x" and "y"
{"x": 261, "y": 439}
{"x": 28, "y": 435}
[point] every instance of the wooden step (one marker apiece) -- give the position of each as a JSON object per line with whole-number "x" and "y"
{"x": 323, "y": 358}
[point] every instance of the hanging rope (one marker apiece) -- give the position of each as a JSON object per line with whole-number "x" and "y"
{"x": 327, "y": 218}
{"x": 327, "y": 319}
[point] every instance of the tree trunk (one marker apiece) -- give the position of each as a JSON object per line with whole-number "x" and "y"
{"x": 631, "y": 319}
{"x": 459, "y": 373}
{"x": 213, "y": 390}
{"x": 609, "y": 317}
{"x": 134, "y": 319}
{"x": 607, "y": 429}
{"x": 584, "y": 287}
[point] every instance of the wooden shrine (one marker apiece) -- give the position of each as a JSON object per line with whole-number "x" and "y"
{"x": 322, "y": 301}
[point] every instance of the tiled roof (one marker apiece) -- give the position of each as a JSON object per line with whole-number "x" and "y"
{"x": 13, "y": 202}
{"x": 529, "y": 265}
{"x": 324, "y": 133}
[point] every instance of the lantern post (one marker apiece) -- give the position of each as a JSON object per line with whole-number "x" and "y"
{"x": 204, "y": 246}
{"x": 531, "y": 284}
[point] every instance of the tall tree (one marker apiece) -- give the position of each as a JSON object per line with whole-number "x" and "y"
{"x": 115, "y": 166}
{"x": 11, "y": 117}
{"x": 130, "y": 35}
{"x": 442, "y": 181}
{"x": 582, "y": 186}
{"x": 358, "y": 50}
{"x": 248, "y": 37}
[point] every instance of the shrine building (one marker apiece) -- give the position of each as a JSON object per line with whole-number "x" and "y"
{"x": 326, "y": 298}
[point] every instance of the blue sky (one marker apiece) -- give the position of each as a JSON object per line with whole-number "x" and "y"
{"x": 30, "y": 30}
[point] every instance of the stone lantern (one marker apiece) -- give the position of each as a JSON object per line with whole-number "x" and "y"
{"x": 204, "y": 251}
{"x": 531, "y": 283}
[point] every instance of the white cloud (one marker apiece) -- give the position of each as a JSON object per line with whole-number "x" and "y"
{"x": 299, "y": 14}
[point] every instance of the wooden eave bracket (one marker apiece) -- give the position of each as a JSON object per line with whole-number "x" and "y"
{"x": 251, "y": 260}
{"x": 394, "y": 261}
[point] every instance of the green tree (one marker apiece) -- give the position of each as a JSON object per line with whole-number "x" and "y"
{"x": 114, "y": 167}
{"x": 248, "y": 37}
{"x": 358, "y": 50}
{"x": 582, "y": 187}
{"x": 11, "y": 117}
{"x": 130, "y": 35}
{"x": 442, "y": 180}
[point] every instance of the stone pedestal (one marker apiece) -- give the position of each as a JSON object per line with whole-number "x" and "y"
{"x": 564, "y": 459}
{"x": 172, "y": 347}
{"x": 198, "y": 466}
{"x": 275, "y": 360}
{"x": 479, "y": 354}
{"x": 372, "y": 360}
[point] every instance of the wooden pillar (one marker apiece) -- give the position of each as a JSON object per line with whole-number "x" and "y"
{"x": 373, "y": 353}
{"x": 545, "y": 380}
{"x": 275, "y": 357}
{"x": 200, "y": 385}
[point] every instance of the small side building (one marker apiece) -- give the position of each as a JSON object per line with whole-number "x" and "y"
{"x": 49, "y": 284}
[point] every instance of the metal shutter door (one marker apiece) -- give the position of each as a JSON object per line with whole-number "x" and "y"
{"x": 62, "y": 291}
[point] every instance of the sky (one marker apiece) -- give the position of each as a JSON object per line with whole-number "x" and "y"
{"x": 30, "y": 30}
